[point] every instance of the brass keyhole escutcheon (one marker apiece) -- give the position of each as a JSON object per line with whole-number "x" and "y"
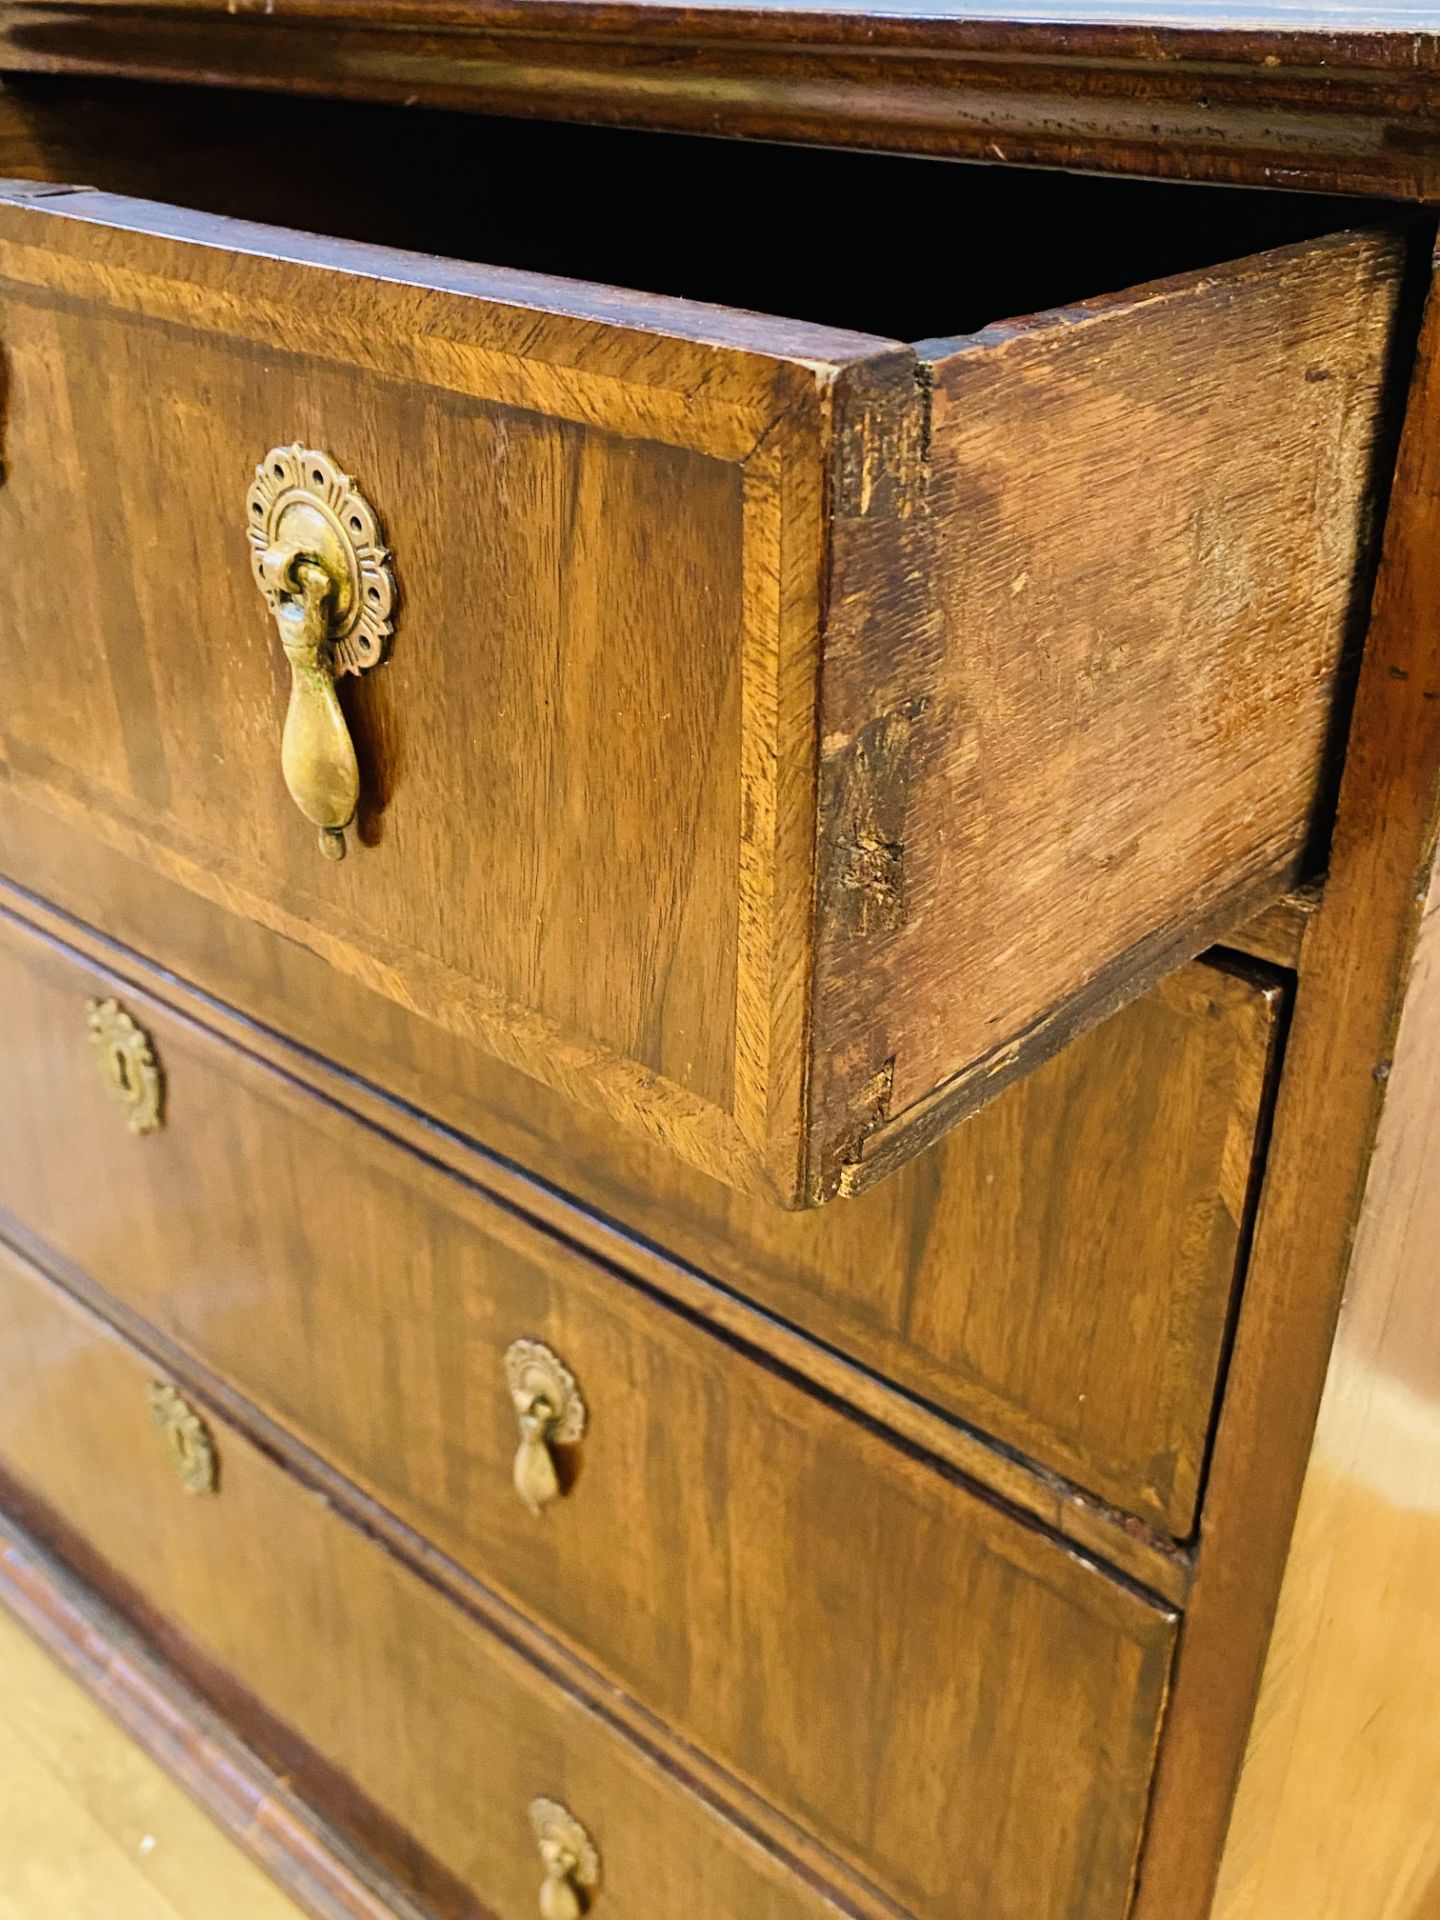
{"x": 319, "y": 561}
{"x": 186, "y": 1437}
{"x": 551, "y": 1414}
{"x": 127, "y": 1064}
{"x": 570, "y": 1860}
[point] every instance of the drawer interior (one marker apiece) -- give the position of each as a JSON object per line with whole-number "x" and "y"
{"x": 905, "y": 247}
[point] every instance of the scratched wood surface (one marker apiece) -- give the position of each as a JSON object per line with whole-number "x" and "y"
{"x": 387, "y": 1682}
{"x": 1037, "y": 702}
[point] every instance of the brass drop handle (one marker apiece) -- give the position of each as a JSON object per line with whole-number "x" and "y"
{"x": 570, "y": 1860}
{"x": 551, "y": 1414}
{"x": 317, "y": 755}
{"x": 320, "y": 563}
{"x": 560, "y": 1898}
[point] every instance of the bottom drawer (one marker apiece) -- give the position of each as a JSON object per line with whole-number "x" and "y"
{"x": 444, "y": 1730}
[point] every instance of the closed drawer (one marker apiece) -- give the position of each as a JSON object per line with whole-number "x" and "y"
{"x": 789, "y": 735}
{"x": 1058, "y": 1272}
{"x": 363, "y": 1670}
{"x": 847, "y": 1629}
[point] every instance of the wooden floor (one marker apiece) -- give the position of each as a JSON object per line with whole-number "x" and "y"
{"x": 90, "y": 1828}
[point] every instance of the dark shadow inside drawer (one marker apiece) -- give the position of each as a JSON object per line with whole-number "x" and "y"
{"x": 903, "y": 247}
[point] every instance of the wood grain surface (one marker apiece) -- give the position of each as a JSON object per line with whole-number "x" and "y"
{"x": 548, "y": 772}
{"x": 1343, "y": 97}
{"x": 1122, "y": 560}
{"x": 950, "y": 1280}
{"x": 384, "y": 1680}
{"x": 602, "y": 738}
{"x": 638, "y": 1196}
{"x": 367, "y": 1303}
{"x": 832, "y": 725}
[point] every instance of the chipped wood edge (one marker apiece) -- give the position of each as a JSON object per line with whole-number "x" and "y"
{"x": 1277, "y": 934}
{"x": 877, "y": 586}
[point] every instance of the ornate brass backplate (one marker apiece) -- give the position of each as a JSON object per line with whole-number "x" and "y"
{"x": 570, "y": 1859}
{"x": 551, "y": 1414}
{"x": 187, "y": 1438}
{"x": 319, "y": 561}
{"x": 301, "y": 500}
{"x": 127, "y": 1064}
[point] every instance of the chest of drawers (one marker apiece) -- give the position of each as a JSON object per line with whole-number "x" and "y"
{"x": 715, "y": 948}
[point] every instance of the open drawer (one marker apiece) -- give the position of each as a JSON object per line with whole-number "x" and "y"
{"x": 787, "y": 736}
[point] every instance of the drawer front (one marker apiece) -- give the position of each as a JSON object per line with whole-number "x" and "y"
{"x": 702, "y": 1550}
{"x": 583, "y": 506}
{"x": 1059, "y": 1272}
{"x": 446, "y": 1733}
{"x": 688, "y": 787}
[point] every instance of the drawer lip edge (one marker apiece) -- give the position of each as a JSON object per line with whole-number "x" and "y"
{"x": 812, "y": 347}
{"x": 902, "y": 1135}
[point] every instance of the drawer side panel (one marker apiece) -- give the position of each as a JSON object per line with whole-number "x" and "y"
{"x": 1148, "y": 523}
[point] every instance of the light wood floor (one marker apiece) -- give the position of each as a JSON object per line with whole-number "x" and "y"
{"x": 90, "y": 1828}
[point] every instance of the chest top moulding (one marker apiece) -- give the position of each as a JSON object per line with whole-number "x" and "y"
{"x": 1342, "y": 98}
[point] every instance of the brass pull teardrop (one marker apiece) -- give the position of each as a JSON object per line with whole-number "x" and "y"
{"x": 317, "y": 755}
{"x": 320, "y": 563}
{"x": 570, "y": 1860}
{"x": 551, "y": 1414}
